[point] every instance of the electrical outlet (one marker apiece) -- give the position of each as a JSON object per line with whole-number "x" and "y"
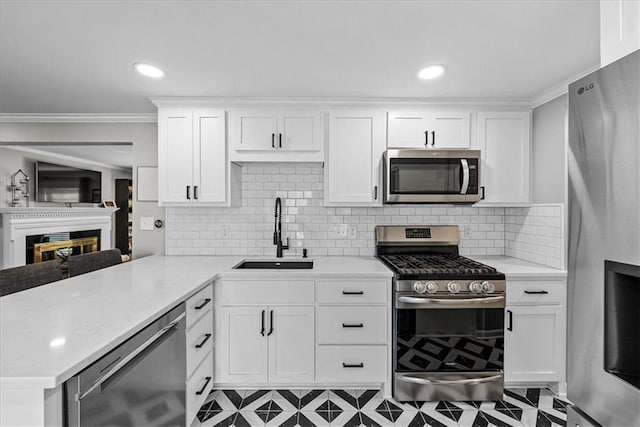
{"x": 467, "y": 231}
{"x": 342, "y": 230}
{"x": 351, "y": 231}
{"x": 225, "y": 230}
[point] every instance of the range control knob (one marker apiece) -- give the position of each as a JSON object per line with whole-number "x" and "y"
{"x": 432, "y": 287}
{"x": 420, "y": 287}
{"x": 475, "y": 287}
{"x": 488, "y": 287}
{"x": 454, "y": 287}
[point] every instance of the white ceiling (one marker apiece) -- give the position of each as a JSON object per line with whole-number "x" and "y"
{"x": 60, "y": 57}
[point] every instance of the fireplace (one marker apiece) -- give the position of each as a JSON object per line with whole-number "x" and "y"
{"x": 76, "y": 223}
{"x": 45, "y": 247}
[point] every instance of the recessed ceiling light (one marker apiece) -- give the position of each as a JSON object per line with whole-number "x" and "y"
{"x": 149, "y": 70}
{"x": 431, "y": 72}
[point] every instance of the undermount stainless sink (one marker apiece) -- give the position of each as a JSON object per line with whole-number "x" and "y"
{"x": 275, "y": 265}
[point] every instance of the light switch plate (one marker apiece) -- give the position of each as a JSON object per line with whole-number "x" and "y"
{"x": 146, "y": 223}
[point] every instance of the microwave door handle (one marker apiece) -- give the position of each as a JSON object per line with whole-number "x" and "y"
{"x": 465, "y": 176}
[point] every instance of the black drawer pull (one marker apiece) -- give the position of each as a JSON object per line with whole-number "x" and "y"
{"x": 510, "y": 327}
{"x": 354, "y": 325}
{"x": 352, "y": 292}
{"x": 206, "y": 383}
{"x": 536, "y": 292}
{"x": 206, "y": 301}
{"x": 353, "y": 365}
{"x": 206, "y": 338}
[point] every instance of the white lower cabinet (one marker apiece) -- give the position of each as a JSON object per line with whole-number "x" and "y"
{"x": 535, "y": 332}
{"x": 267, "y": 344}
{"x": 352, "y": 363}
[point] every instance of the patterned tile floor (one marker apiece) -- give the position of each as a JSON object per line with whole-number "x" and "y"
{"x": 533, "y": 407}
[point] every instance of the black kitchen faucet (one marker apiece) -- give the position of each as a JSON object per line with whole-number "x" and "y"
{"x": 277, "y": 233}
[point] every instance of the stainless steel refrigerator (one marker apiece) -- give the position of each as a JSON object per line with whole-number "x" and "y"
{"x": 603, "y": 334}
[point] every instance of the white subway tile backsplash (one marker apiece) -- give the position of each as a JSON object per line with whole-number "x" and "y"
{"x": 534, "y": 234}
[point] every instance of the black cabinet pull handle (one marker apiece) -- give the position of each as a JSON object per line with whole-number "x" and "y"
{"x": 433, "y": 138}
{"x": 482, "y": 188}
{"x": 510, "y": 327}
{"x": 352, "y": 292}
{"x": 353, "y": 365}
{"x": 206, "y": 338}
{"x": 375, "y": 193}
{"x": 536, "y": 292}
{"x": 205, "y": 302}
{"x": 426, "y": 137}
{"x": 188, "y": 192}
{"x": 262, "y": 330}
{"x": 353, "y": 325}
{"x": 279, "y": 140}
{"x": 270, "y": 323}
{"x": 273, "y": 140}
{"x": 206, "y": 383}
{"x": 195, "y": 192}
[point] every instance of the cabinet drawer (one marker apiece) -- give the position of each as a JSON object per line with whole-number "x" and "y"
{"x": 352, "y": 363}
{"x": 352, "y": 325}
{"x": 352, "y": 292}
{"x": 265, "y": 292}
{"x": 199, "y": 341}
{"x": 199, "y": 304}
{"x": 198, "y": 387}
{"x": 536, "y": 292}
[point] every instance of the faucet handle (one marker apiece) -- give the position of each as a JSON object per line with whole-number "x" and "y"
{"x": 287, "y": 245}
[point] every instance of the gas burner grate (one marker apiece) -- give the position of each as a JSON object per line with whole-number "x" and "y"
{"x": 435, "y": 264}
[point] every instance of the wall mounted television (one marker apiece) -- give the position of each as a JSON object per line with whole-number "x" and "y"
{"x": 67, "y": 184}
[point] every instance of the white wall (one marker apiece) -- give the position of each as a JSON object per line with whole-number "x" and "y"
{"x": 548, "y": 173}
{"x": 143, "y": 136}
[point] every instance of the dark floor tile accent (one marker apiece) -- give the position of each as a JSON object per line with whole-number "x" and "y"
{"x": 263, "y": 415}
{"x": 264, "y": 407}
{"x": 509, "y": 410}
{"x": 309, "y": 397}
{"x": 290, "y": 397}
{"x": 533, "y": 394}
{"x": 351, "y": 400}
{"x": 354, "y": 421}
{"x": 456, "y": 414}
{"x": 520, "y": 398}
{"x": 431, "y": 421}
{"x": 303, "y": 421}
{"x": 417, "y": 421}
{"x": 227, "y": 421}
{"x": 234, "y": 397}
{"x": 292, "y": 421}
{"x": 240, "y": 421}
{"x": 365, "y": 397}
{"x": 559, "y": 405}
{"x": 474, "y": 403}
{"x": 383, "y": 410}
{"x": 367, "y": 421}
{"x": 248, "y": 400}
{"x": 542, "y": 421}
{"x": 495, "y": 421}
{"x": 552, "y": 417}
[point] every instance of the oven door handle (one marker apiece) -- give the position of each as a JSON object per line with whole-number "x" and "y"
{"x": 465, "y": 176}
{"x": 471, "y": 301}
{"x": 470, "y": 381}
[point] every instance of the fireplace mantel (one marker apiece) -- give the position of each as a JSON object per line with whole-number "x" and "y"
{"x": 18, "y": 223}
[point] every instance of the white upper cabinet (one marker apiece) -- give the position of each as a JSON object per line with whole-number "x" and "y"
{"x": 619, "y": 29}
{"x": 353, "y": 167}
{"x": 504, "y": 138}
{"x": 428, "y": 129}
{"x": 192, "y": 163}
{"x": 272, "y": 135}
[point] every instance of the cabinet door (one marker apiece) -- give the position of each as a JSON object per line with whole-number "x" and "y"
{"x": 209, "y": 161}
{"x": 534, "y": 343}
{"x": 452, "y": 130}
{"x": 504, "y": 139}
{"x": 292, "y": 344}
{"x": 243, "y": 349}
{"x": 255, "y": 130}
{"x": 619, "y": 29}
{"x": 299, "y": 131}
{"x": 408, "y": 129}
{"x": 175, "y": 155}
{"x": 356, "y": 144}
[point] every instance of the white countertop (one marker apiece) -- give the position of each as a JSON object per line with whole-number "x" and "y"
{"x": 50, "y": 333}
{"x": 514, "y": 268}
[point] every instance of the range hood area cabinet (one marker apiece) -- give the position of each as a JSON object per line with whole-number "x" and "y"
{"x": 192, "y": 162}
{"x": 428, "y": 129}
{"x": 275, "y": 135}
{"x": 352, "y": 173}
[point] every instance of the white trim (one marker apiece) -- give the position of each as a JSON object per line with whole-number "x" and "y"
{"x": 559, "y": 89}
{"x": 79, "y": 118}
{"x": 66, "y": 157}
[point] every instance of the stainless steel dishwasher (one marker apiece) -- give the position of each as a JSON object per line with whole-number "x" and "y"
{"x": 141, "y": 382}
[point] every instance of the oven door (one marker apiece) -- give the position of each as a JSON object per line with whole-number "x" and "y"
{"x": 431, "y": 176}
{"x": 449, "y": 347}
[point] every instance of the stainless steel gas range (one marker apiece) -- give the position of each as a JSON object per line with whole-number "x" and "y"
{"x": 448, "y": 321}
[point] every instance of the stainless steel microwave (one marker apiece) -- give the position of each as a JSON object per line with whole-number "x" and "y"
{"x": 423, "y": 175}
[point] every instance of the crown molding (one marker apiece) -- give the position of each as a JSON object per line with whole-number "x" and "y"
{"x": 66, "y": 157}
{"x": 79, "y": 118}
{"x": 559, "y": 89}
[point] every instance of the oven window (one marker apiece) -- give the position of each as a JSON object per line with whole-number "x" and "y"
{"x": 449, "y": 340}
{"x": 425, "y": 176}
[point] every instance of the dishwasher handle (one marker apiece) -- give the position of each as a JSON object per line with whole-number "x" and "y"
{"x": 125, "y": 365}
